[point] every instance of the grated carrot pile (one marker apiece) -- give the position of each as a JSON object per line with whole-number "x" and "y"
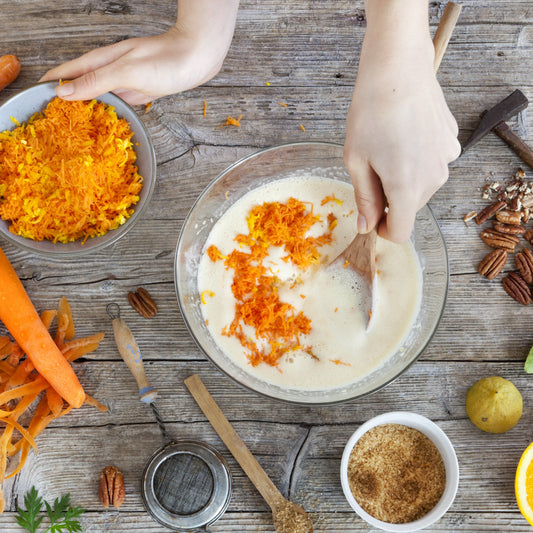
{"x": 277, "y": 325}
{"x": 68, "y": 173}
{"x": 24, "y": 392}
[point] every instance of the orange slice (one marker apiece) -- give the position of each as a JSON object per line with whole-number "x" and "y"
{"x": 524, "y": 484}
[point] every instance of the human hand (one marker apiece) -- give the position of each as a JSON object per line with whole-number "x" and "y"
{"x": 144, "y": 68}
{"x": 400, "y": 134}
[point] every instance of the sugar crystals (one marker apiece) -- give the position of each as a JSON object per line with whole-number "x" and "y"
{"x": 396, "y": 473}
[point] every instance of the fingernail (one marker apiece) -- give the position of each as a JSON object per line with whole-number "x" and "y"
{"x": 65, "y": 90}
{"x": 361, "y": 224}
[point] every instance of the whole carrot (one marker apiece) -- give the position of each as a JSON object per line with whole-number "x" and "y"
{"x": 21, "y": 319}
{"x": 9, "y": 69}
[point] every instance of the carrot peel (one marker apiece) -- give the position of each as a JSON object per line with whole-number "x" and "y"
{"x": 21, "y": 319}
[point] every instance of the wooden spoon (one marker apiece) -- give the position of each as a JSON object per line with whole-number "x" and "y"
{"x": 288, "y": 517}
{"x": 360, "y": 255}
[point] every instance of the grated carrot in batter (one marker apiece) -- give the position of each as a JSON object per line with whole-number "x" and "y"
{"x": 214, "y": 253}
{"x": 210, "y": 294}
{"x": 68, "y": 173}
{"x": 277, "y": 325}
{"x": 331, "y": 198}
{"x": 339, "y": 362}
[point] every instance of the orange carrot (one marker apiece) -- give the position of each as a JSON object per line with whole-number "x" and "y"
{"x": 21, "y": 319}
{"x": 9, "y": 70}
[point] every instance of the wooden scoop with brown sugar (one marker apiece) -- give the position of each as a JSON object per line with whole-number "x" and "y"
{"x": 288, "y": 517}
{"x": 360, "y": 255}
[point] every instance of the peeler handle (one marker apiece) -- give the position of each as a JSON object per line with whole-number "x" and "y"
{"x": 129, "y": 350}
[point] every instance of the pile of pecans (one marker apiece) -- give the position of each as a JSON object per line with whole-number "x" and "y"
{"x": 510, "y": 210}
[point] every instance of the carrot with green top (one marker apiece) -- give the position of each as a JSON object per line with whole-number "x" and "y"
{"x": 23, "y": 322}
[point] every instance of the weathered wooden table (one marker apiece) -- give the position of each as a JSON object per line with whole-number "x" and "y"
{"x": 303, "y": 53}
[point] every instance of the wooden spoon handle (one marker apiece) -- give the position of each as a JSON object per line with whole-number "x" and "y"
{"x": 444, "y": 31}
{"x": 233, "y": 442}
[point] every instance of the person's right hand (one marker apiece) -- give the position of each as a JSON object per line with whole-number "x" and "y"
{"x": 400, "y": 133}
{"x": 144, "y": 68}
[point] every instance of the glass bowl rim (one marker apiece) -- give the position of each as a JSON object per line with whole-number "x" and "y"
{"x": 318, "y": 403}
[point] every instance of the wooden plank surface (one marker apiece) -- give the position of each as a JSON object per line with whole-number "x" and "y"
{"x": 307, "y": 50}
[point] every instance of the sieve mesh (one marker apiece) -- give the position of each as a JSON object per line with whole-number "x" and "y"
{"x": 183, "y": 484}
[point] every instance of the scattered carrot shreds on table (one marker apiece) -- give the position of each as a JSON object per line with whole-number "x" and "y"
{"x": 277, "y": 325}
{"x": 205, "y": 108}
{"x": 230, "y": 121}
{"x": 24, "y": 392}
{"x": 68, "y": 173}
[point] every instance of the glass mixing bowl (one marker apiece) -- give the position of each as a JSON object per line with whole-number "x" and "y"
{"x": 326, "y": 160}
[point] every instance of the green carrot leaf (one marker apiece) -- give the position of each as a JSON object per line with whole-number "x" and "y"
{"x": 29, "y": 519}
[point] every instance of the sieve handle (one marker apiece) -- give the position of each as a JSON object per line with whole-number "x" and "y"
{"x": 129, "y": 350}
{"x": 233, "y": 442}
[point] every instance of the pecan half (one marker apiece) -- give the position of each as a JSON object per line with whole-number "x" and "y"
{"x": 143, "y": 303}
{"x": 492, "y": 264}
{"x": 495, "y": 239}
{"x": 509, "y": 217}
{"x": 517, "y": 288}
{"x": 112, "y": 490}
{"x": 524, "y": 263}
{"x": 528, "y": 235}
{"x": 489, "y": 211}
{"x": 510, "y": 229}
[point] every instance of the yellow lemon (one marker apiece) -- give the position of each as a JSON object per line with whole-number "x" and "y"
{"x": 523, "y": 485}
{"x": 494, "y": 404}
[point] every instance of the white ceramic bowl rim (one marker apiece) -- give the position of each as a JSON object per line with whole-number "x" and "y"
{"x": 34, "y": 99}
{"x": 443, "y": 444}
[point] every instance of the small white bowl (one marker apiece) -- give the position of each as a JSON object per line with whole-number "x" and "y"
{"x": 443, "y": 444}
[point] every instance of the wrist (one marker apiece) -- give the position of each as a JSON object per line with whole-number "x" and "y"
{"x": 397, "y": 27}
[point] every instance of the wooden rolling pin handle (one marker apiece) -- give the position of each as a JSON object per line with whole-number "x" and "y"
{"x": 233, "y": 442}
{"x": 444, "y": 31}
{"x": 129, "y": 350}
{"x": 524, "y": 151}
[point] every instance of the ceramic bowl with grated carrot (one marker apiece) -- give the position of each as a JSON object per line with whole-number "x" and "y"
{"x": 74, "y": 176}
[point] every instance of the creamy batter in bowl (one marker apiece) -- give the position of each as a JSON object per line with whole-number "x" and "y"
{"x": 301, "y": 161}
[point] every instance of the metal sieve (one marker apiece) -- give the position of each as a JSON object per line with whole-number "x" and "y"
{"x": 186, "y": 484}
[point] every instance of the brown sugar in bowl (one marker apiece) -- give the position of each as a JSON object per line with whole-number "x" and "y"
{"x": 399, "y": 444}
